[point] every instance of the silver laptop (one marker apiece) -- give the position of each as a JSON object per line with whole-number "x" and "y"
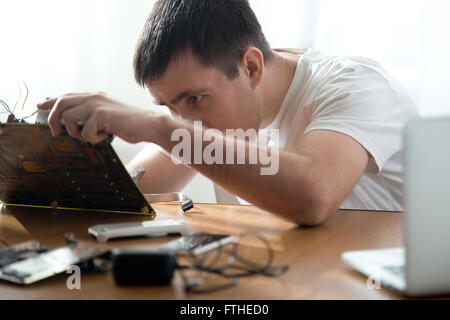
{"x": 422, "y": 267}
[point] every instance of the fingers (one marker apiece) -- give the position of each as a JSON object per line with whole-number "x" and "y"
{"x": 75, "y": 117}
{"x": 94, "y": 130}
{"x": 60, "y": 107}
{"x": 49, "y": 103}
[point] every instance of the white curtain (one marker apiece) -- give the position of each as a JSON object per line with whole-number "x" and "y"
{"x": 60, "y": 46}
{"x": 409, "y": 37}
{"x": 85, "y": 45}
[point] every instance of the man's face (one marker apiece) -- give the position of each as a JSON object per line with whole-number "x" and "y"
{"x": 197, "y": 93}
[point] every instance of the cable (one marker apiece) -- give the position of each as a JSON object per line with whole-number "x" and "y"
{"x": 5, "y": 105}
{"x": 12, "y": 117}
{"x": 158, "y": 268}
{"x": 4, "y": 244}
{"x": 27, "y": 117}
{"x": 20, "y": 96}
{"x": 26, "y": 96}
{"x": 246, "y": 268}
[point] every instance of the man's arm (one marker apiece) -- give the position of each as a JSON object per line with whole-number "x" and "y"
{"x": 162, "y": 175}
{"x": 311, "y": 184}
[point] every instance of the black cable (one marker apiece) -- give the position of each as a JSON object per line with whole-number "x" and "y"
{"x": 5, "y": 105}
{"x": 247, "y": 267}
{"x": 205, "y": 266}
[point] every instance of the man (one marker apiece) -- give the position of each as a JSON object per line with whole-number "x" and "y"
{"x": 339, "y": 118}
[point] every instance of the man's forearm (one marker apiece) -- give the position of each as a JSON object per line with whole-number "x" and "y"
{"x": 295, "y": 192}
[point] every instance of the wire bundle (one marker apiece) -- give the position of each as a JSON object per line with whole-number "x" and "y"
{"x": 12, "y": 117}
{"x": 236, "y": 266}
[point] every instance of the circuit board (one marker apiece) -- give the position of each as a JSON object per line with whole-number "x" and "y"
{"x": 40, "y": 170}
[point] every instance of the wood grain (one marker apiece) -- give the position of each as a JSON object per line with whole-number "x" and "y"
{"x": 314, "y": 254}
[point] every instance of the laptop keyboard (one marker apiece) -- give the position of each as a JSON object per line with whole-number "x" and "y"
{"x": 396, "y": 270}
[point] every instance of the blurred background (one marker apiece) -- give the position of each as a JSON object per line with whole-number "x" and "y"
{"x": 60, "y": 46}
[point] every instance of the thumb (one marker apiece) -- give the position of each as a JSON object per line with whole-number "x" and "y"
{"x": 47, "y": 105}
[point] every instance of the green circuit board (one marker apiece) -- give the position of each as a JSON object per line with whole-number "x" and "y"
{"x": 40, "y": 170}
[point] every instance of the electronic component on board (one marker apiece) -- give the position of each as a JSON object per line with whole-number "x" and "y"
{"x": 20, "y": 252}
{"x": 40, "y": 170}
{"x": 47, "y": 264}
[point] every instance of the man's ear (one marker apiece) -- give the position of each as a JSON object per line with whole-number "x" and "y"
{"x": 252, "y": 62}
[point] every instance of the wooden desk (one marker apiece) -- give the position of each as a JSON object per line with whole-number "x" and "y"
{"x": 314, "y": 254}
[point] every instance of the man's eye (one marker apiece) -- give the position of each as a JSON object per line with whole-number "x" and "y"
{"x": 196, "y": 99}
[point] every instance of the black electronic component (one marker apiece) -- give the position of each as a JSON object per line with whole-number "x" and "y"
{"x": 143, "y": 267}
{"x": 187, "y": 205}
{"x": 133, "y": 268}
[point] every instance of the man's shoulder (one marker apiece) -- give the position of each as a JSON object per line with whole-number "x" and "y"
{"x": 322, "y": 68}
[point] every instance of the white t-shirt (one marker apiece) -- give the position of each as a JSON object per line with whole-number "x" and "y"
{"x": 357, "y": 97}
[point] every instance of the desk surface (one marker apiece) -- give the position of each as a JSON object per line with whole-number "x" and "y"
{"x": 314, "y": 254}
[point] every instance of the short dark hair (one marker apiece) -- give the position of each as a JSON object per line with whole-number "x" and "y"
{"x": 217, "y": 32}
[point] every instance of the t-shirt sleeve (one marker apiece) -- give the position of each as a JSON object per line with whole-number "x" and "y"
{"x": 361, "y": 103}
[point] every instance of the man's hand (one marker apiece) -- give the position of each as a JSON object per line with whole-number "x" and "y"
{"x": 93, "y": 117}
